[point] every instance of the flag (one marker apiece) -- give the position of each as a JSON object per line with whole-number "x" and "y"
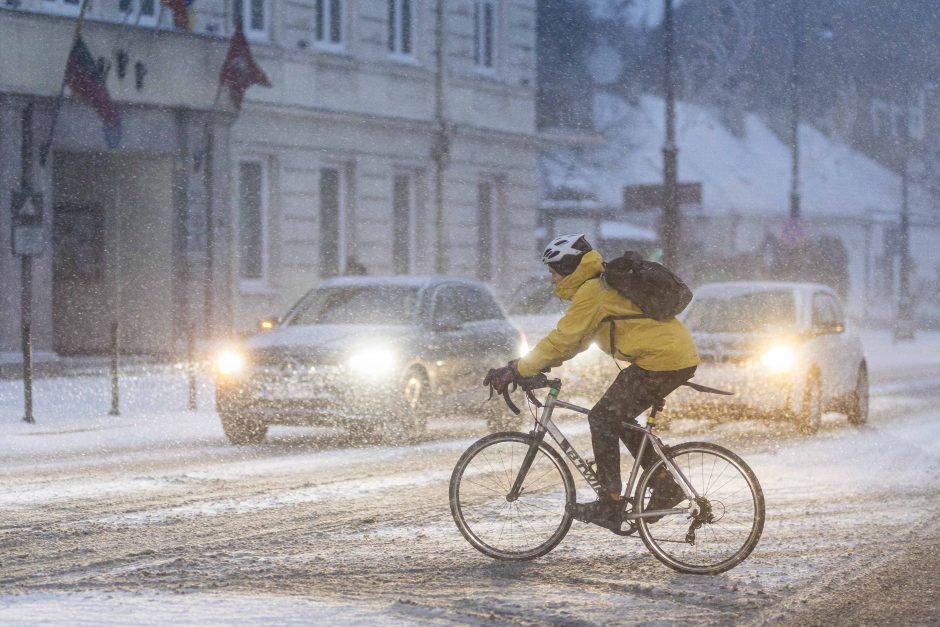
{"x": 184, "y": 16}
{"x": 239, "y": 72}
{"x": 87, "y": 84}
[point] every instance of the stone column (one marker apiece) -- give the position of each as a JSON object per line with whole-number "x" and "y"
{"x": 221, "y": 277}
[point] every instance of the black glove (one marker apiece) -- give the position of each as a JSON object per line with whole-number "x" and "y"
{"x": 501, "y": 378}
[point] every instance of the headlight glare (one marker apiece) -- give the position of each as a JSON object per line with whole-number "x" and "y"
{"x": 779, "y": 359}
{"x": 229, "y": 362}
{"x": 373, "y": 361}
{"x": 524, "y": 347}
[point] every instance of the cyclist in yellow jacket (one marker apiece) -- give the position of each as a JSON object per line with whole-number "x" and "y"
{"x": 662, "y": 357}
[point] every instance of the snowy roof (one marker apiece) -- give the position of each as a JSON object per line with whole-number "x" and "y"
{"x": 613, "y": 229}
{"x": 747, "y": 173}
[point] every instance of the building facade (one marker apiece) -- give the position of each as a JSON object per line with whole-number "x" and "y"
{"x": 398, "y": 137}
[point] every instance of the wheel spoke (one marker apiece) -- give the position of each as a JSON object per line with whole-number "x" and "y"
{"x": 526, "y": 527}
{"x": 731, "y": 494}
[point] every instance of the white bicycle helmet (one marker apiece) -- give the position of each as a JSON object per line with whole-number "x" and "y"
{"x": 564, "y": 253}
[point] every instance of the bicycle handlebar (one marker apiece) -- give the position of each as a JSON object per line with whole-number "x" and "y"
{"x": 528, "y": 384}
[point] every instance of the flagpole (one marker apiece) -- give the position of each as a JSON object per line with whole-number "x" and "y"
{"x": 44, "y": 149}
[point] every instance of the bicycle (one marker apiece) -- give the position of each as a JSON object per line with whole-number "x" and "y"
{"x": 512, "y": 494}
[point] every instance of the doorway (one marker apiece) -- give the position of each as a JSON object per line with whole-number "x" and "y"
{"x": 112, "y": 253}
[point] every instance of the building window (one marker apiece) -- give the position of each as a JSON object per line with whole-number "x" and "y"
{"x": 487, "y": 222}
{"x": 253, "y": 17}
{"x": 329, "y": 23}
{"x": 252, "y": 224}
{"x": 404, "y": 223}
{"x": 484, "y": 34}
{"x": 400, "y": 27}
{"x": 332, "y": 221}
{"x": 68, "y": 7}
{"x": 139, "y": 12}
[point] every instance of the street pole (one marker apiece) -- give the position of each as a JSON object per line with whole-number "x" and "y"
{"x": 441, "y": 142}
{"x": 904, "y": 327}
{"x": 670, "y": 217}
{"x": 795, "y": 112}
{"x": 26, "y": 271}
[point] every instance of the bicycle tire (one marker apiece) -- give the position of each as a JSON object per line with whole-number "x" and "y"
{"x": 523, "y": 529}
{"x": 721, "y": 477}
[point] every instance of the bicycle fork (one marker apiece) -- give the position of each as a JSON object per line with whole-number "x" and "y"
{"x": 516, "y": 490}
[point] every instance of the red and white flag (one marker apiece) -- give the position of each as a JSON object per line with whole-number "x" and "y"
{"x": 239, "y": 72}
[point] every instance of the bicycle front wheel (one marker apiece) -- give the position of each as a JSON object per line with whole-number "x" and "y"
{"x": 523, "y": 528}
{"x": 730, "y": 515}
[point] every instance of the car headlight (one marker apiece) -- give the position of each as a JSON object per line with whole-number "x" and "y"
{"x": 779, "y": 359}
{"x": 373, "y": 361}
{"x": 229, "y": 362}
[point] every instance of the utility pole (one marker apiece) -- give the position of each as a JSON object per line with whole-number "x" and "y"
{"x": 27, "y": 240}
{"x": 441, "y": 142}
{"x": 670, "y": 216}
{"x": 795, "y": 111}
{"x": 904, "y": 325}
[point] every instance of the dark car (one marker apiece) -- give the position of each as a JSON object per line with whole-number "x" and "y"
{"x": 377, "y": 355}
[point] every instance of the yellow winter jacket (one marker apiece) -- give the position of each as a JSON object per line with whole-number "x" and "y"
{"x": 648, "y": 343}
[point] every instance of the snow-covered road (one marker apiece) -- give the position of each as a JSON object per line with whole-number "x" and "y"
{"x": 152, "y": 518}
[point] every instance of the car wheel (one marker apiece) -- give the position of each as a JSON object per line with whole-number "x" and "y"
{"x": 810, "y": 415}
{"x": 857, "y": 411}
{"x": 242, "y": 429}
{"x": 410, "y": 419}
{"x": 499, "y": 418}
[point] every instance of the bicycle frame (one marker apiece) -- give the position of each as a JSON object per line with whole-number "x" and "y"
{"x": 545, "y": 425}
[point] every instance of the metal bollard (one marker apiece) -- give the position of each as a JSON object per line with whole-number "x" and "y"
{"x": 115, "y": 350}
{"x": 191, "y": 369}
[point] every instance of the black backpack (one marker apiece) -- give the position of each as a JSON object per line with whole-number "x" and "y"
{"x": 651, "y": 286}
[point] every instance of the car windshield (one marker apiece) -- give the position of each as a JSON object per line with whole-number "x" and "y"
{"x": 742, "y": 313}
{"x": 535, "y": 297}
{"x": 365, "y": 304}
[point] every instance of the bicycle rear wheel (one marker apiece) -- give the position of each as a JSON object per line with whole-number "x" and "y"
{"x": 731, "y": 518}
{"x": 521, "y": 529}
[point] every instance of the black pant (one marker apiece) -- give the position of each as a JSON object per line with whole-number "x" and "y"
{"x": 632, "y": 392}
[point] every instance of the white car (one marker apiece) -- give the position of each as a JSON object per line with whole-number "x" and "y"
{"x": 535, "y": 311}
{"x": 784, "y": 349}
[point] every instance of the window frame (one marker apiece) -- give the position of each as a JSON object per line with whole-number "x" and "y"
{"x": 833, "y": 322}
{"x": 479, "y": 36}
{"x": 326, "y": 43}
{"x": 133, "y": 16}
{"x": 60, "y": 7}
{"x": 488, "y": 243}
{"x": 412, "y": 217}
{"x": 262, "y": 283}
{"x": 396, "y": 31}
{"x": 253, "y": 34}
{"x": 440, "y": 303}
{"x": 342, "y": 213}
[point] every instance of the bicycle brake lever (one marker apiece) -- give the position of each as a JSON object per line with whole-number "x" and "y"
{"x": 532, "y": 398}
{"x": 509, "y": 402}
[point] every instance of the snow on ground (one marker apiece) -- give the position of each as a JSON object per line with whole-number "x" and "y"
{"x": 72, "y": 412}
{"x": 74, "y": 430}
{"x": 121, "y": 608}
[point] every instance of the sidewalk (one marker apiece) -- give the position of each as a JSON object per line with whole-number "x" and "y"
{"x": 52, "y": 365}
